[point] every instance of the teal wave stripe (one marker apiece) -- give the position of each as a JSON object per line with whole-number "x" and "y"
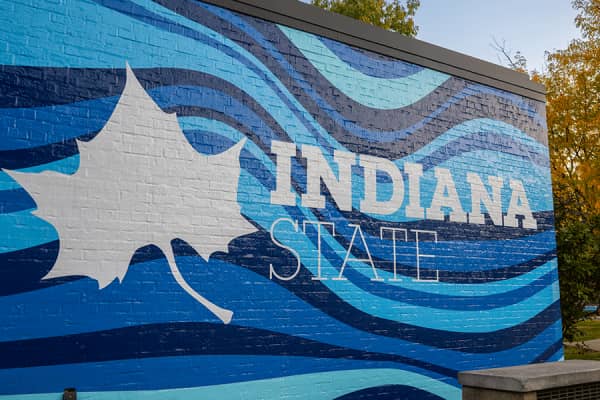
{"x": 319, "y": 386}
{"x": 380, "y": 93}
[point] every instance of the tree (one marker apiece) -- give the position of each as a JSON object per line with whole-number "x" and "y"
{"x": 393, "y": 15}
{"x": 572, "y": 81}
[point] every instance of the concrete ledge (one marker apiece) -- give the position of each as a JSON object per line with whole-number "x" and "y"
{"x": 533, "y": 377}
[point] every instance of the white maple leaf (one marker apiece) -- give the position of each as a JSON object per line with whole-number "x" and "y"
{"x": 139, "y": 182}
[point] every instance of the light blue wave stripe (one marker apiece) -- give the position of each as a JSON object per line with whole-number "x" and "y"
{"x": 380, "y": 93}
{"x": 21, "y": 230}
{"x": 450, "y": 320}
{"x": 319, "y": 386}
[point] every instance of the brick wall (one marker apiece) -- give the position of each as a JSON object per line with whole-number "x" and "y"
{"x": 195, "y": 203}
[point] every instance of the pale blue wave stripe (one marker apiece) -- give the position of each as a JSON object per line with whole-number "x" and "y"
{"x": 319, "y": 386}
{"x": 379, "y": 93}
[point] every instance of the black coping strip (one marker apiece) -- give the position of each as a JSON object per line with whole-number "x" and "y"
{"x": 312, "y": 19}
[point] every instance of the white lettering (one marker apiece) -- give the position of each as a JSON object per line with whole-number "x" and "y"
{"x": 348, "y": 253}
{"x": 370, "y": 204}
{"x": 283, "y": 246}
{"x": 445, "y": 184}
{"x": 317, "y": 168}
{"x": 421, "y": 255}
{"x": 394, "y": 253}
{"x": 480, "y": 195}
{"x": 319, "y": 277}
{"x": 283, "y": 193}
{"x": 413, "y": 208}
{"x": 519, "y": 205}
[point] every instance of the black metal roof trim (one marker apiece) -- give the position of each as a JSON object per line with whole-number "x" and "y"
{"x": 311, "y": 19}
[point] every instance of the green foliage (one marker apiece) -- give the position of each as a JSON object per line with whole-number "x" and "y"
{"x": 393, "y": 15}
{"x": 578, "y": 255}
{"x": 573, "y": 113}
{"x": 590, "y": 330}
{"x": 576, "y": 353}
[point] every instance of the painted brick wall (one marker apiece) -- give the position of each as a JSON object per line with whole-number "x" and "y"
{"x": 199, "y": 204}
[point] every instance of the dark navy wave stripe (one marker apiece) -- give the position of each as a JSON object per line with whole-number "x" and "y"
{"x": 390, "y": 392}
{"x": 549, "y": 352}
{"x": 242, "y": 252}
{"x": 34, "y": 156}
{"x": 23, "y": 270}
{"x": 135, "y": 11}
{"x": 27, "y": 86}
{"x": 181, "y": 339}
{"x": 447, "y": 276}
{"x": 431, "y": 300}
{"x": 370, "y": 63}
{"x": 152, "y": 78}
{"x": 447, "y": 230}
{"x": 15, "y": 200}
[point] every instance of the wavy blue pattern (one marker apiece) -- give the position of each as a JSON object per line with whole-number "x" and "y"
{"x": 230, "y": 77}
{"x": 165, "y": 372}
{"x": 339, "y": 383}
{"x": 370, "y": 63}
{"x": 384, "y": 94}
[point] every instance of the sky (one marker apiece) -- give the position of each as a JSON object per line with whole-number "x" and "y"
{"x": 469, "y": 26}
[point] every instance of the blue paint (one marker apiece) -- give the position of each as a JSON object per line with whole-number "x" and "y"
{"x": 231, "y": 77}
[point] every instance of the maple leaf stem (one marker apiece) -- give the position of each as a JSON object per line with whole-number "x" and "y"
{"x": 221, "y": 313}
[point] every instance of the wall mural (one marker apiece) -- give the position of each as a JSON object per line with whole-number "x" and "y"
{"x": 195, "y": 203}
